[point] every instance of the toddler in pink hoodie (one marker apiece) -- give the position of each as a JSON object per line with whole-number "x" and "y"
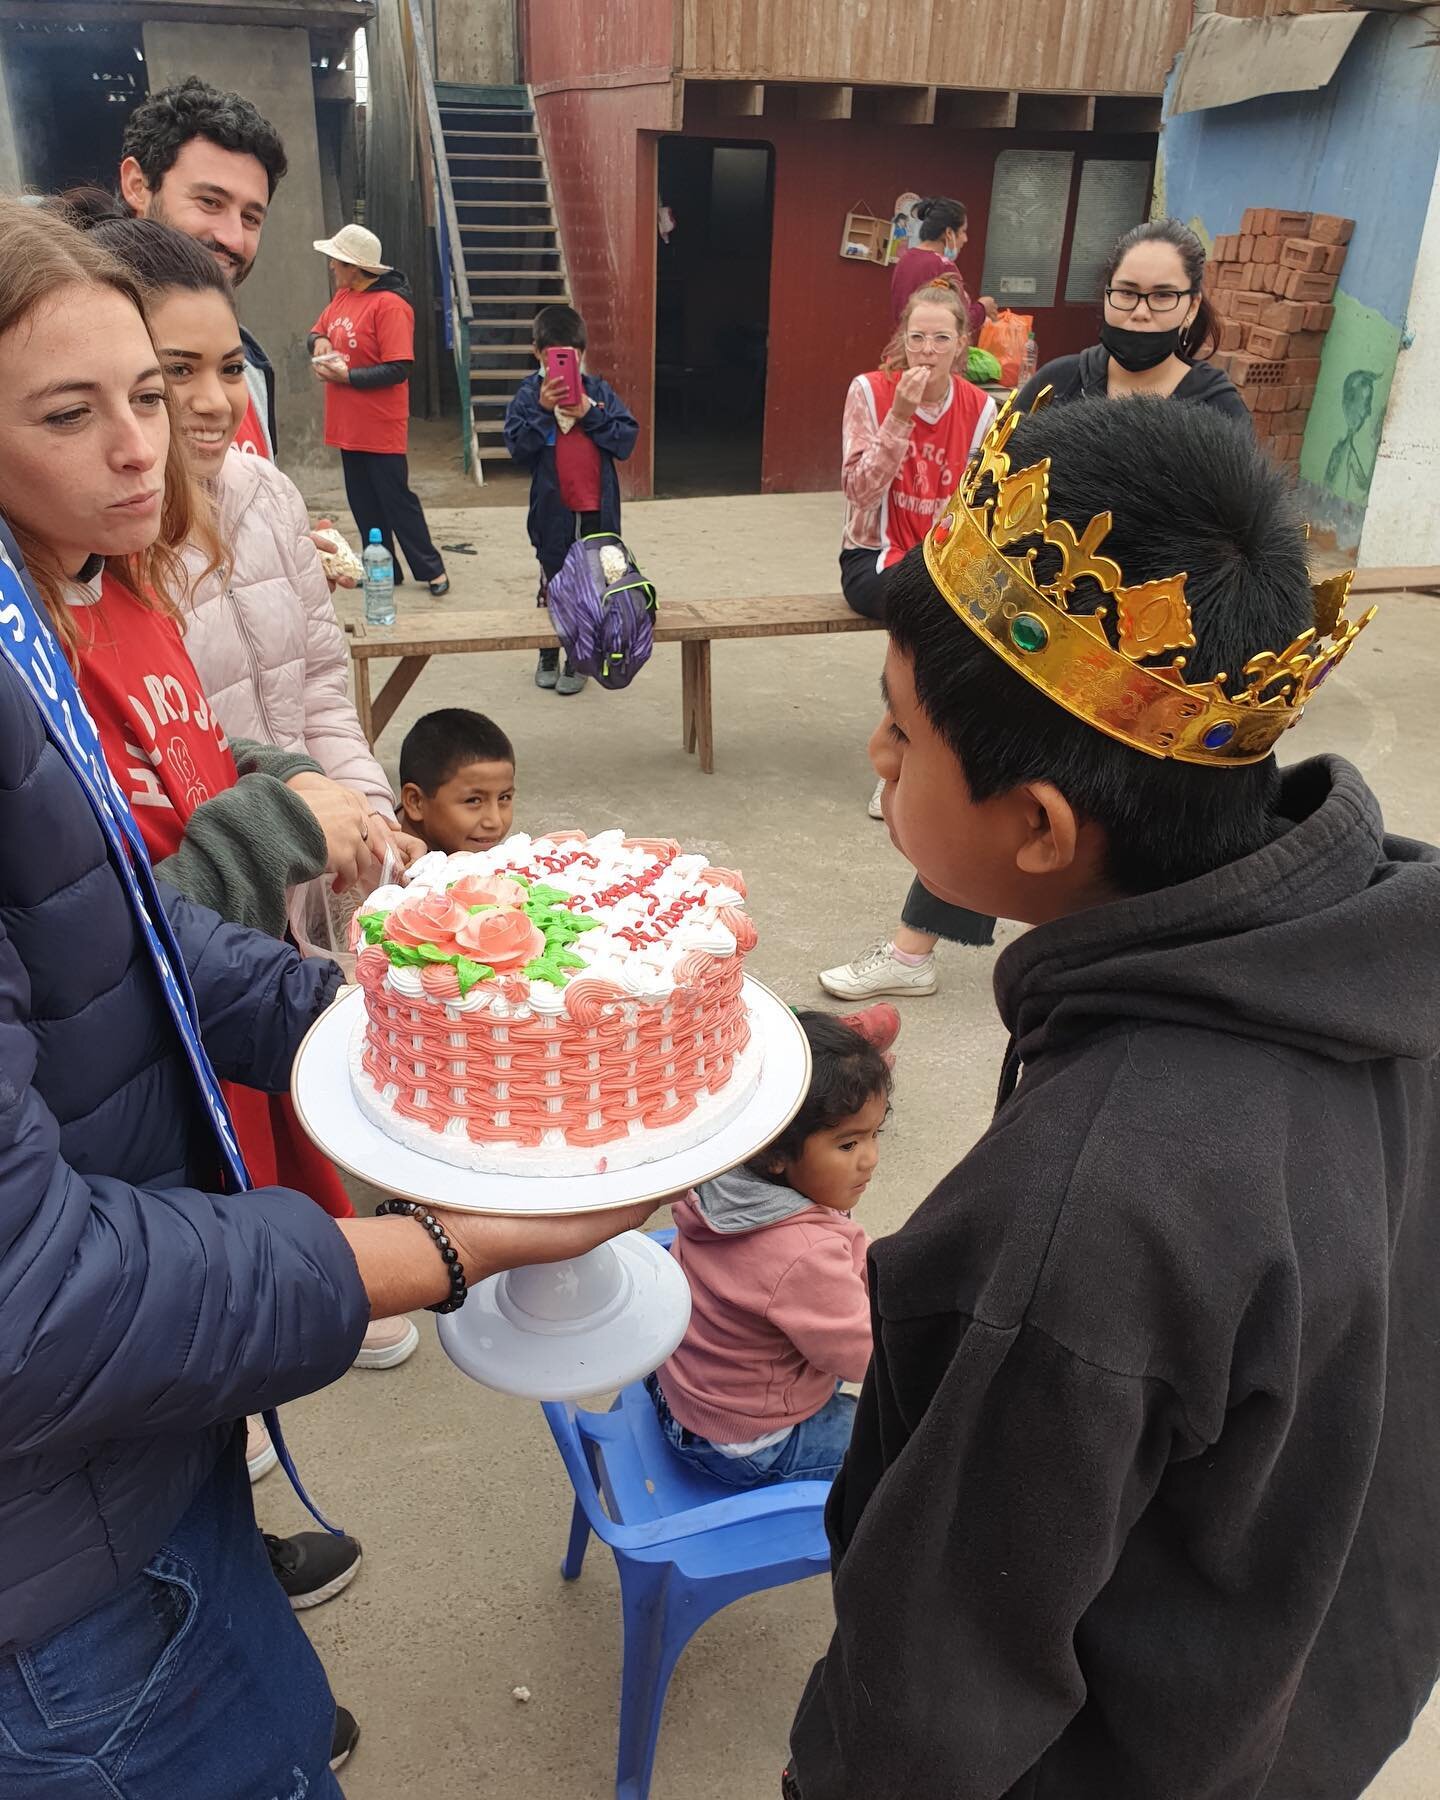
{"x": 776, "y": 1265}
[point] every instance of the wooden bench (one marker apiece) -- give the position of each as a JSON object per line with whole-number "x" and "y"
{"x": 422, "y": 633}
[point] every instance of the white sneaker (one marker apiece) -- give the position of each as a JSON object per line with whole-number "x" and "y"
{"x": 261, "y": 1455}
{"x": 876, "y": 810}
{"x": 388, "y": 1343}
{"x": 879, "y": 972}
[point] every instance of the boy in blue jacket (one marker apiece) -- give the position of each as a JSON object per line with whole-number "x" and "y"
{"x": 571, "y": 455}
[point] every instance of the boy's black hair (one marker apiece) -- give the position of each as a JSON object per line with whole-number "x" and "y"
{"x": 846, "y": 1071}
{"x": 444, "y": 741}
{"x": 1189, "y": 489}
{"x": 557, "y": 326}
{"x": 160, "y": 127}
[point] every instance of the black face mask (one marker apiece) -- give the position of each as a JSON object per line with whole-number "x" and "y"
{"x": 1138, "y": 350}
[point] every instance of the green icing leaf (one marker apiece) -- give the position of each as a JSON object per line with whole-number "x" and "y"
{"x": 547, "y": 896}
{"x": 373, "y": 926}
{"x": 433, "y": 953}
{"x": 403, "y": 956}
{"x": 566, "y": 959}
{"x": 543, "y": 969}
{"x": 471, "y": 972}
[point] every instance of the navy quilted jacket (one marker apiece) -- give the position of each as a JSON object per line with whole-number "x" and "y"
{"x": 141, "y": 1313}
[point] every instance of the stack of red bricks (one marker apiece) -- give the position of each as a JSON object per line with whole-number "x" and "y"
{"x": 1273, "y": 289}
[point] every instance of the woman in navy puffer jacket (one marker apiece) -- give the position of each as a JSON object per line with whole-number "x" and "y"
{"x": 145, "y": 1651}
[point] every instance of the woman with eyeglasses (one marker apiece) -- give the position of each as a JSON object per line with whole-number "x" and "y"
{"x": 1157, "y": 329}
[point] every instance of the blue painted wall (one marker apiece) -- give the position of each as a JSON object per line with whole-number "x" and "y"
{"x": 1364, "y": 147}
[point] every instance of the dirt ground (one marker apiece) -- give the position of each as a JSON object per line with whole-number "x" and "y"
{"x": 456, "y": 1492}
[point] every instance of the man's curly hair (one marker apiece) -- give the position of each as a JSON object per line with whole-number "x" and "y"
{"x": 161, "y": 126}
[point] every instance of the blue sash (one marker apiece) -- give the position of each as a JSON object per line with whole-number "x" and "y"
{"x": 28, "y": 646}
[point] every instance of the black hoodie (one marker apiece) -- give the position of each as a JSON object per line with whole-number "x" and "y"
{"x": 1143, "y": 1500}
{"x": 1084, "y": 377}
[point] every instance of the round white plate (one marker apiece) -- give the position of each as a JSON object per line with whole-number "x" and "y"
{"x": 642, "y": 1311}
{"x": 331, "y": 1115}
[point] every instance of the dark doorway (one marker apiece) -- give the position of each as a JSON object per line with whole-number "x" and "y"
{"x": 712, "y": 316}
{"x": 72, "y": 90}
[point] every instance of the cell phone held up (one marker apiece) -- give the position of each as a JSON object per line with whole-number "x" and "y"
{"x": 562, "y": 364}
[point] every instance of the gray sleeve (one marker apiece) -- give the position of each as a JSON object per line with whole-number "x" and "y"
{"x": 244, "y": 849}
{"x": 255, "y": 758}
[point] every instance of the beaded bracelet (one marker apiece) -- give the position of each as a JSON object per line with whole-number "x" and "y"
{"x": 459, "y": 1287}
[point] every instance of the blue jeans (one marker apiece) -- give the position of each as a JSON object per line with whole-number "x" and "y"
{"x": 813, "y": 1451}
{"x": 193, "y": 1679}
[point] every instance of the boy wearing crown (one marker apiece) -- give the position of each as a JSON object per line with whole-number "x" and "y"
{"x": 1143, "y": 1498}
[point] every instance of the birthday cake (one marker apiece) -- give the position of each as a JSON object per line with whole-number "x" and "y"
{"x": 556, "y": 1005}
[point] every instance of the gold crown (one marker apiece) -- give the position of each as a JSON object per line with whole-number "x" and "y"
{"x": 1096, "y": 664}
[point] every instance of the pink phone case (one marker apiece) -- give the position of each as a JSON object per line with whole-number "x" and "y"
{"x": 563, "y": 364}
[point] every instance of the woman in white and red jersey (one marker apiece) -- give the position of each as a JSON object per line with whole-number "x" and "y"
{"x": 910, "y": 428}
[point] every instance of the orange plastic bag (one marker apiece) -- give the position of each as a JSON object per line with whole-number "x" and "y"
{"x": 1005, "y": 338}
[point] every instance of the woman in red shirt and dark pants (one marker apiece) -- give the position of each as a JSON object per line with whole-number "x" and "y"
{"x": 363, "y": 345}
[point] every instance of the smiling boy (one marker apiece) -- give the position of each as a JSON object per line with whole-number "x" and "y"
{"x": 1144, "y": 1489}
{"x": 457, "y": 781}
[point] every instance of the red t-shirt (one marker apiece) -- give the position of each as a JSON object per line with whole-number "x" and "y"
{"x": 251, "y": 436}
{"x": 376, "y": 326}
{"x": 168, "y": 750}
{"x": 934, "y": 462}
{"x": 577, "y": 468}
{"x": 164, "y": 744}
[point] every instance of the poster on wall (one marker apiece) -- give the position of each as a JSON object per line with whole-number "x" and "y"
{"x": 904, "y": 227}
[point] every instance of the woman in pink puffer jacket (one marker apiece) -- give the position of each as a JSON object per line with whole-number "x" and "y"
{"x": 261, "y": 631}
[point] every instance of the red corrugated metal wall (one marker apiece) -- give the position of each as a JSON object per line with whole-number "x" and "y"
{"x": 601, "y": 146}
{"x": 830, "y": 319}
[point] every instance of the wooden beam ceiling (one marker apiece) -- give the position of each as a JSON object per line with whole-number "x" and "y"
{"x": 1056, "y": 112}
{"x": 820, "y": 100}
{"x": 313, "y": 15}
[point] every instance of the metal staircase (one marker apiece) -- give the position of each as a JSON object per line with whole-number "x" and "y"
{"x": 514, "y": 262}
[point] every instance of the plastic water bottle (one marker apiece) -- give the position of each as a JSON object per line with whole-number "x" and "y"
{"x": 379, "y": 581}
{"x": 1030, "y": 361}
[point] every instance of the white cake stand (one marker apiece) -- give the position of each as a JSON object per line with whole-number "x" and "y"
{"x": 556, "y": 1331}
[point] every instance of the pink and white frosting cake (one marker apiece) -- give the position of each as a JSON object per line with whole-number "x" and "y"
{"x": 556, "y": 1005}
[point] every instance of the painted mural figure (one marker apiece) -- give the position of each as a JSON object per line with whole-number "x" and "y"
{"x": 1345, "y": 473}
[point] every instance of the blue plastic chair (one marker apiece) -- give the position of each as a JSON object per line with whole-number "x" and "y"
{"x": 685, "y": 1545}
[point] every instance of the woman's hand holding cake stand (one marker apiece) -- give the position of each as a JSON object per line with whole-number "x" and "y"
{"x": 402, "y": 1269}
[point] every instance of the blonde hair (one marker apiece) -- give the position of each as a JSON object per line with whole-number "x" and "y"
{"x": 943, "y": 293}
{"x": 43, "y": 254}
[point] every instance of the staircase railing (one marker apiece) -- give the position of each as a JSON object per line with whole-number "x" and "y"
{"x": 457, "y": 311}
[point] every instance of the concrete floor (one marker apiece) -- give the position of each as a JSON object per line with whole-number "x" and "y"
{"x": 456, "y": 1492}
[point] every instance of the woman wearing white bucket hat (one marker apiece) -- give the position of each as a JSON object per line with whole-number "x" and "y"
{"x": 363, "y": 345}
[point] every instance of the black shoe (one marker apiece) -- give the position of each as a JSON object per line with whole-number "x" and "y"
{"x": 347, "y": 1736}
{"x": 547, "y": 670}
{"x": 313, "y": 1566}
{"x": 440, "y": 586}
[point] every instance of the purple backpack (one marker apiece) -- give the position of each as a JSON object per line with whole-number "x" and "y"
{"x": 603, "y": 610}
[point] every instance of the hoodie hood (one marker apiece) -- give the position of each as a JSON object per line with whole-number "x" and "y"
{"x": 392, "y": 282}
{"x": 1323, "y": 941}
{"x": 1203, "y": 382}
{"x": 742, "y": 1201}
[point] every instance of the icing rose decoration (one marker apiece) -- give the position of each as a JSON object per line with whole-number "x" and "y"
{"x": 426, "y": 918}
{"x": 487, "y": 890}
{"x": 503, "y": 937}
